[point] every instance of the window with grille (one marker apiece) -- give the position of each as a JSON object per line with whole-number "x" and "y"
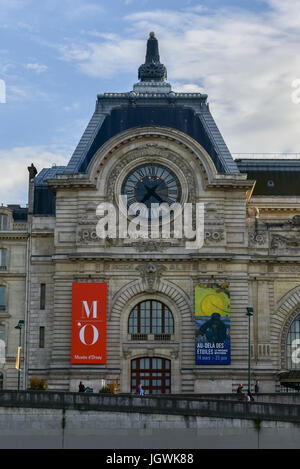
{"x": 42, "y": 296}
{"x": 2, "y": 344}
{"x": 3, "y": 258}
{"x": 293, "y": 345}
{"x": 3, "y": 222}
{"x": 42, "y": 337}
{"x": 151, "y": 317}
{"x": 153, "y": 373}
{"x": 2, "y": 297}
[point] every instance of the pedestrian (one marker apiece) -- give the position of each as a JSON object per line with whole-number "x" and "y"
{"x": 81, "y": 387}
{"x": 140, "y": 390}
{"x": 250, "y": 395}
{"x": 239, "y": 389}
{"x": 256, "y": 387}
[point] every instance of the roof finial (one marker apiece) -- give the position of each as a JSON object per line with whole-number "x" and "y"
{"x": 152, "y": 69}
{"x": 152, "y": 54}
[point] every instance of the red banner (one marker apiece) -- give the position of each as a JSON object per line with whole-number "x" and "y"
{"x": 89, "y": 308}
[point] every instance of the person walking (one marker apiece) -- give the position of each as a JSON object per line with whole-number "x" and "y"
{"x": 239, "y": 389}
{"x": 81, "y": 387}
{"x": 140, "y": 390}
{"x": 256, "y": 387}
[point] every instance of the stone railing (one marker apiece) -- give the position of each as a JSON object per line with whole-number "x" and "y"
{"x": 225, "y": 406}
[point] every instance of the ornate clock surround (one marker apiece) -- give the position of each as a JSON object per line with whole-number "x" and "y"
{"x": 151, "y": 153}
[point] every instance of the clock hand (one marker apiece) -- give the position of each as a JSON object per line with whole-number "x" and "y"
{"x": 146, "y": 196}
{"x": 151, "y": 191}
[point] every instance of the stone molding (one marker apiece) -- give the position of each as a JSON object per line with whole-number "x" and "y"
{"x": 151, "y": 153}
{"x": 288, "y": 309}
{"x": 132, "y": 289}
{"x": 150, "y": 274}
{"x": 161, "y": 134}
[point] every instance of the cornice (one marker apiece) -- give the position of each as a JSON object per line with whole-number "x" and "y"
{"x": 71, "y": 182}
{"x": 14, "y": 235}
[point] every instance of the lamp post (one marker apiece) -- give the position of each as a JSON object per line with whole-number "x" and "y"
{"x": 19, "y": 326}
{"x": 249, "y": 314}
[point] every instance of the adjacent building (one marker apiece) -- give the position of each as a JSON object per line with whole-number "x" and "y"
{"x": 13, "y": 288}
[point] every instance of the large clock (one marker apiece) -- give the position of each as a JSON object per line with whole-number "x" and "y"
{"x": 151, "y": 183}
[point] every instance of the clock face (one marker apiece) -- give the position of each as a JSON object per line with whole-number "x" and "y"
{"x": 151, "y": 183}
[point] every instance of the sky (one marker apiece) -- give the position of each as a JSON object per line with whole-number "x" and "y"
{"x": 57, "y": 55}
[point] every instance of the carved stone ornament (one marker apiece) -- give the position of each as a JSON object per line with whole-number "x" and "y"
{"x": 284, "y": 242}
{"x": 150, "y": 153}
{"x": 127, "y": 354}
{"x": 150, "y": 274}
{"x": 295, "y": 221}
{"x": 150, "y": 246}
{"x": 213, "y": 236}
{"x": 259, "y": 238}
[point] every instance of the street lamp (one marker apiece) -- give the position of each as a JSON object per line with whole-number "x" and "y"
{"x": 19, "y": 326}
{"x": 249, "y": 314}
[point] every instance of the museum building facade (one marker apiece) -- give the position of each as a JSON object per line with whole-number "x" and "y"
{"x": 159, "y": 299}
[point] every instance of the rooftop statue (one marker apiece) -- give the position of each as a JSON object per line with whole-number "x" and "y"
{"x": 152, "y": 69}
{"x": 152, "y": 54}
{"x": 32, "y": 171}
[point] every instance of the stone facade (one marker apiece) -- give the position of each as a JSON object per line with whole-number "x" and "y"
{"x": 250, "y": 241}
{"x": 258, "y": 261}
{"x": 13, "y": 248}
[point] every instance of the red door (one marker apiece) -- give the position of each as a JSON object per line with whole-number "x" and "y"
{"x": 154, "y": 374}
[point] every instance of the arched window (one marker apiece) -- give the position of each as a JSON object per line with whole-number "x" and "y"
{"x": 293, "y": 345}
{"x": 151, "y": 317}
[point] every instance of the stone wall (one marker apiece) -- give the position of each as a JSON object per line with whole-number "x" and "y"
{"x": 72, "y": 420}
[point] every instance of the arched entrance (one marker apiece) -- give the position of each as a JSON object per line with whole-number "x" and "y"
{"x": 153, "y": 373}
{"x": 290, "y": 380}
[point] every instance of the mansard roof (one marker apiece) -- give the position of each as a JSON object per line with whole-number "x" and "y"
{"x": 187, "y": 112}
{"x": 44, "y": 197}
{"x": 152, "y": 102}
{"x": 278, "y": 177}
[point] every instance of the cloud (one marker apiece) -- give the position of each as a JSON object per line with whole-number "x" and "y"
{"x": 38, "y": 68}
{"x": 14, "y": 162}
{"x": 83, "y": 10}
{"x": 25, "y": 92}
{"x": 187, "y": 88}
{"x": 106, "y": 59}
{"x": 245, "y": 61}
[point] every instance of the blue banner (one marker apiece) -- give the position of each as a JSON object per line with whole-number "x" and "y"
{"x": 212, "y": 324}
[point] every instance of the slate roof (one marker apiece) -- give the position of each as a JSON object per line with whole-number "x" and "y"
{"x": 152, "y": 102}
{"x": 44, "y": 197}
{"x": 20, "y": 214}
{"x": 273, "y": 177}
{"x": 187, "y": 112}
